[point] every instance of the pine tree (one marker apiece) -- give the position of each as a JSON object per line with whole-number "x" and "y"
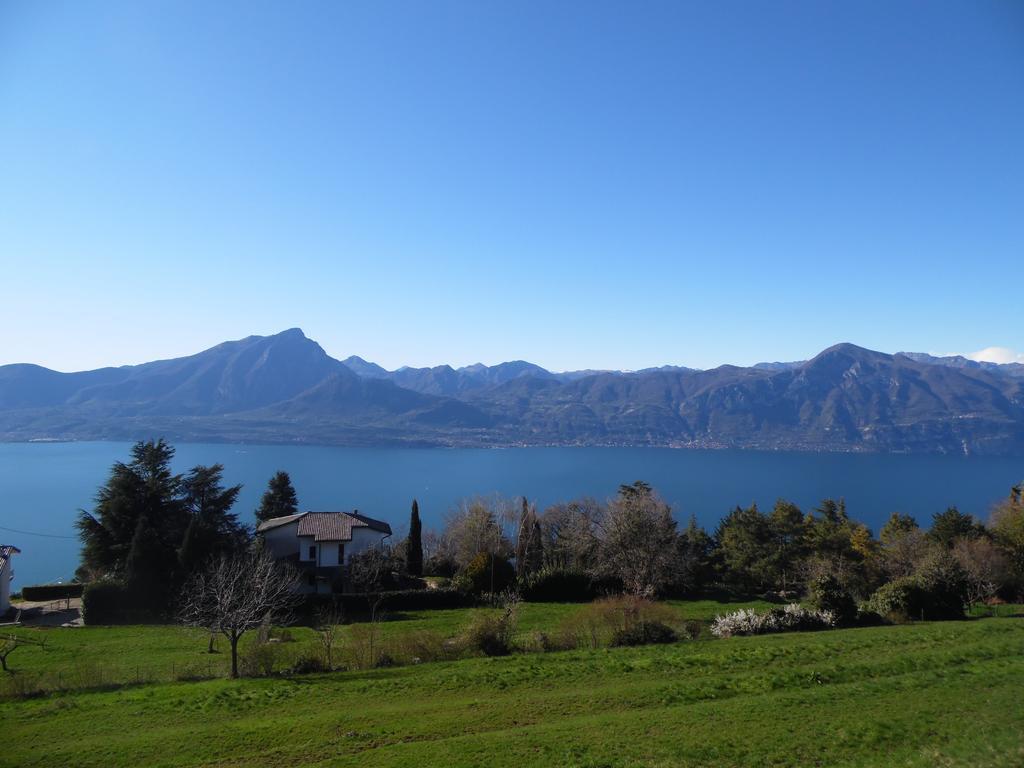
{"x": 213, "y": 528}
{"x": 279, "y": 500}
{"x": 414, "y": 545}
{"x": 149, "y": 570}
{"x": 143, "y": 488}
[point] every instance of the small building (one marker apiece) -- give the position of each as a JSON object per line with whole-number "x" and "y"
{"x": 6, "y": 576}
{"x": 320, "y": 544}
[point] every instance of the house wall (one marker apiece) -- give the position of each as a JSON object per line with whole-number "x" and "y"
{"x": 362, "y": 540}
{"x": 328, "y": 554}
{"x": 282, "y": 541}
{"x": 5, "y": 588}
{"x": 305, "y": 542}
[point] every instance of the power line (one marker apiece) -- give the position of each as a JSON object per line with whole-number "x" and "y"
{"x": 31, "y": 533}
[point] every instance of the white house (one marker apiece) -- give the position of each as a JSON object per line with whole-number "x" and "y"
{"x": 320, "y": 544}
{"x": 6, "y": 576}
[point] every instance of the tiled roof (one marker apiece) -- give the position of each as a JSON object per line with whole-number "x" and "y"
{"x": 274, "y": 522}
{"x": 327, "y": 526}
{"x": 6, "y": 551}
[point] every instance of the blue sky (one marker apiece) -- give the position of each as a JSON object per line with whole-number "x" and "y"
{"x": 599, "y": 184}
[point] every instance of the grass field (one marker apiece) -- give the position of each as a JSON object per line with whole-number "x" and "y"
{"x": 932, "y": 694}
{"x": 85, "y": 657}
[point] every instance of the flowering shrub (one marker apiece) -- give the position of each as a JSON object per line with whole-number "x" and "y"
{"x": 792, "y": 618}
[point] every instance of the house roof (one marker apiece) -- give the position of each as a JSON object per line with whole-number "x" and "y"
{"x": 6, "y": 550}
{"x": 327, "y": 526}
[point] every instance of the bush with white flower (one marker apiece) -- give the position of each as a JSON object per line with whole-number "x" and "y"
{"x": 792, "y": 618}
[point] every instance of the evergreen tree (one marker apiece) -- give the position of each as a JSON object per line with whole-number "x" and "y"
{"x": 279, "y": 500}
{"x": 896, "y": 527}
{"x": 213, "y": 528}
{"x": 953, "y": 524}
{"x": 144, "y": 488}
{"x": 149, "y": 571}
{"x": 414, "y": 544}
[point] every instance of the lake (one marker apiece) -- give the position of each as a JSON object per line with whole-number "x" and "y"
{"x": 42, "y": 485}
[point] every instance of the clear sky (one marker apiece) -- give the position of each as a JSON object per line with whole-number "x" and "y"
{"x": 580, "y": 184}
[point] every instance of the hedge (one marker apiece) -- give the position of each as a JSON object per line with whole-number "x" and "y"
{"x": 394, "y": 600}
{"x": 553, "y": 585}
{"x": 110, "y": 602}
{"x": 42, "y": 592}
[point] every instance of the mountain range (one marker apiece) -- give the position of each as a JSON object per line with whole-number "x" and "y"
{"x": 286, "y": 388}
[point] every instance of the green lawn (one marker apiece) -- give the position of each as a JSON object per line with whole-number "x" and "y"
{"x": 930, "y": 694}
{"x": 85, "y": 657}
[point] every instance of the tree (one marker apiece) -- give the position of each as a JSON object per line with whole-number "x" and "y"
{"x": 986, "y": 566}
{"x": 1007, "y": 526}
{"x": 694, "y": 548}
{"x": 951, "y": 525}
{"x": 414, "y": 544}
{"x": 569, "y": 535}
{"x": 903, "y": 550}
{"x": 747, "y": 548}
{"x": 638, "y": 540}
{"x": 529, "y": 542}
{"x": 213, "y": 529}
{"x": 896, "y": 526}
{"x": 236, "y": 594}
{"x": 476, "y": 526}
{"x": 371, "y": 570}
{"x": 143, "y": 488}
{"x": 149, "y": 571}
{"x": 279, "y": 500}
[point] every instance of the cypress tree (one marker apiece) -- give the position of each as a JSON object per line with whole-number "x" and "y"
{"x": 414, "y": 546}
{"x": 279, "y": 500}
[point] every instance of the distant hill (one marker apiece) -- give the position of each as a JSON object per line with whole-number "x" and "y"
{"x": 285, "y": 388}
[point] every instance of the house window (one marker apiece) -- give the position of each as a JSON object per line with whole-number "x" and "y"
{"x": 312, "y": 552}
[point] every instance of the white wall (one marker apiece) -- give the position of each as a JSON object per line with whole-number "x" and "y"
{"x": 5, "y": 588}
{"x": 282, "y": 540}
{"x": 362, "y": 540}
{"x": 328, "y": 554}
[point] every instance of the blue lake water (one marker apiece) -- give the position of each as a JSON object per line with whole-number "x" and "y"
{"x": 42, "y": 485}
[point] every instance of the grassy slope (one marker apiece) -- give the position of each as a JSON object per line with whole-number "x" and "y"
{"x": 86, "y": 656}
{"x": 924, "y": 694}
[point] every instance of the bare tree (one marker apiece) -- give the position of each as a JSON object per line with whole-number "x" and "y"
{"x": 10, "y": 643}
{"x": 569, "y": 535}
{"x": 986, "y": 564}
{"x": 638, "y": 540}
{"x": 328, "y": 625}
{"x": 238, "y": 593}
{"x": 480, "y": 525}
{"x": 904, "y": 551}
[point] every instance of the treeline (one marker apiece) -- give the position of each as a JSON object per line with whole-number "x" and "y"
{"x": 632, "y": 543}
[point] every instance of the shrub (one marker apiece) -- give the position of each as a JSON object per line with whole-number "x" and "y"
{"x": 259, "y": 659}
{"x": 486, "y": 573}
{"x": 938, "y": 591}
{"x": 945, "y": 587}
{"x": 42, "y": 592}
{"x": 792, "y": 618}
{"x": 900, "y": 600}
{"x": 595, "y": 625}
{"x": 491, "y": 634}
{"x": 420, "y": 646}
{"x": 644, "y": 633}
{"x": 107, "y": 602}
{"x": 308, "y": 664}
{"x": 397, "y": 600}
{"x": 827, "y": 593}
{"x": 551, "y": 585}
